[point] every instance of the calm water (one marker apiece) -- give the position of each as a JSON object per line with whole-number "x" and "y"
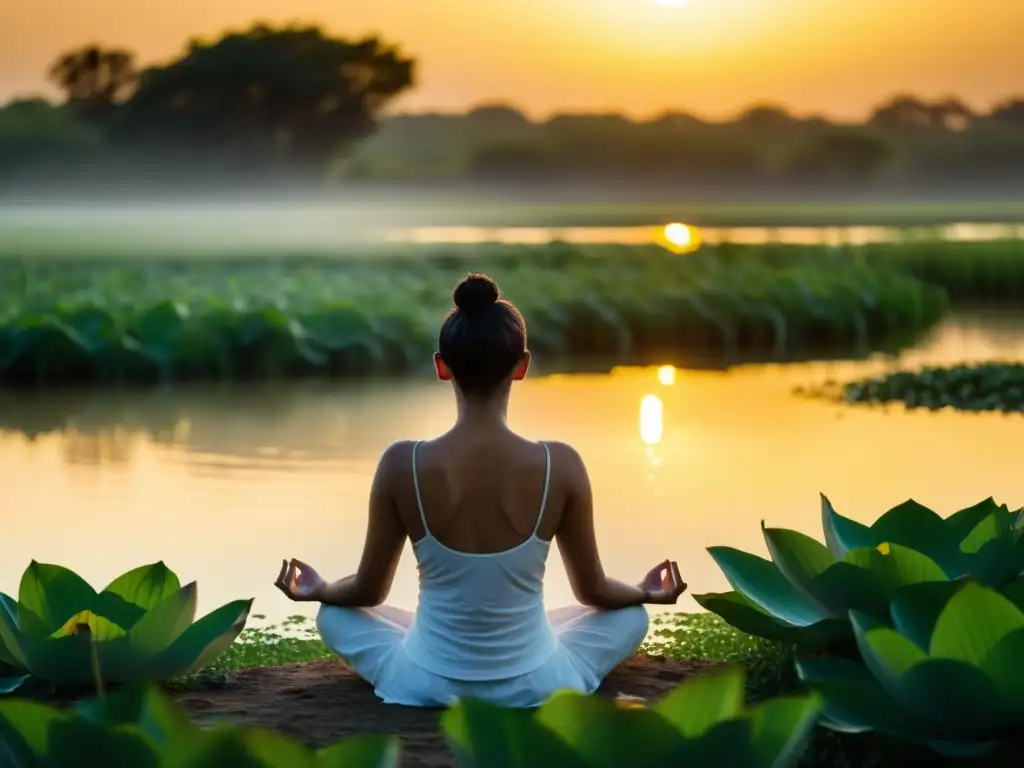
{"x": 221, "y": 485}
{"x": 256, "y": 228}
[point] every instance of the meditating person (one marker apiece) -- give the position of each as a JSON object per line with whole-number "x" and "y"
{"x": 481, "y": 505}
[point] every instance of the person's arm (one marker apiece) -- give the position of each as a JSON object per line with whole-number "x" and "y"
{"x": 577, "y": 542}
{"x": 385, "y": 538}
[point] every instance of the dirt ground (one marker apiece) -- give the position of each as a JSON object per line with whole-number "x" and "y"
{"x": 322, "y": 702}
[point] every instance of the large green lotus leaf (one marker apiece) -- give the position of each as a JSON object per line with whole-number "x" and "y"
{"x": 762, "y": 582}
{"x": 8, "y": 616}
{"x": 994, "y": 525}
{"x": 142, "y": 588}
{"x": 962, "y": 523}
{"x": 123, "y": 747}
{"x": 915, "y": 526}
{"x": 959, "y": 700}
{"x": 53, "y": 594}
{"x": 703, "y": 701}
{"x": 853, "y": 701}
{"x": 144, "y": 706}
{"x": 887, "y": 654}
{"x": 1014, "y": 592}
{"x": 781, "y": 728}
{"x": 64, "y": 661}
{"x": 831, "y": 585}
{"x": 484, "y": 735}
{"x": 899, "y": 566}
{"x": 256, "y": 747}
{"x": 24, "y": 730}
{"x": 846, "y": 585}
{"x": 970, "y": 703}
{"x": 974, "y": 620}
{"x": 12, "y": 642}
{"x": 129, "y": 657}
{"x": 729, "y": 742}
{"x": 841, "y": 533}
{"x": 201, "y": 643}
{"x": 10, "y": 685}
{"x": 369, "y": 751}
{"x": 1003, "y": 666}
{"x": 607, "y": 735}
{"x": 739, "y": 612}
{"x": 916, "y": 608}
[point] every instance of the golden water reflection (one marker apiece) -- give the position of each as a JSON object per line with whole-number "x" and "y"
{"x": 222, "y": 484}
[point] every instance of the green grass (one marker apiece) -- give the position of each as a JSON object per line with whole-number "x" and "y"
{"x": 294, "y": 640}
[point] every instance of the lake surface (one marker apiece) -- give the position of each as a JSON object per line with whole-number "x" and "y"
{"x": 221, "y": 484}
{"x": 263, "y": 229}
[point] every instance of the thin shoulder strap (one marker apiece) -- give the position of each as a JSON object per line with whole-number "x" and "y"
{"x": 547, "y": 483}
{"x": 416, "y": 485}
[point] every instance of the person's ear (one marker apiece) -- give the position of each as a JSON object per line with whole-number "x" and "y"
{"x": 522, "y": 367}
{"x": 444, "y": 373}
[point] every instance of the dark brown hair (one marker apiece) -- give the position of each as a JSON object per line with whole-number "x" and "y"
{"x": 483, "y": 337}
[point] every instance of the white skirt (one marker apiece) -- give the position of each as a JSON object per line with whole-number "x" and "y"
{"x": 591, "y": 643}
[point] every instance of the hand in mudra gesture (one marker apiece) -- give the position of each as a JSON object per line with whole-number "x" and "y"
{"x": 299, "y": 581}
{"x": 663, "y": 585}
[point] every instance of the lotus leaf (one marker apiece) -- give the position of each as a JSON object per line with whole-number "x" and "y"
{"x": 947, "y": 673}
{"x": 141, "y": 626}
{"x": 703, "y": 722}
{"x": 805, "y": 592}
{"x": 983, "y": 541}
{"x": 228, "y": 317}
{"x": 140, "y": 727}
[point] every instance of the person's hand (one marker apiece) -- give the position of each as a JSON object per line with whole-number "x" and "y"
{"x": 663, "y": 585}
{"x": 299, "y": 581}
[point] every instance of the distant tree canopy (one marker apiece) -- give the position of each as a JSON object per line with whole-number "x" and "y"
{"x": 293, "y": 101}
{"x": 265, "y": 98}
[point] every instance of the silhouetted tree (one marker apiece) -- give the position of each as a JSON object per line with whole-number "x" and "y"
{"x": 909, "y": 112}
{"x": 1009, "y": 112}
{"x": 287, "y": 96}
{"x": 766, "y": 116}
{"x": 94, "y": 80}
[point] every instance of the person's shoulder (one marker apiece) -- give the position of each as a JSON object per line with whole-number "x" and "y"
{"x": 396, "y": 455}
{"x": 565, "y": 458}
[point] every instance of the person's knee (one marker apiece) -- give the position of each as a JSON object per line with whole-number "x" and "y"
{"x": 327, "y": 619}
{"x": 637, "y": 623}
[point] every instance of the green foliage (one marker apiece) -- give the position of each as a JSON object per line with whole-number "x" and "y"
{"x": 946, "y": 673}
{"x": 703, "y": 722}
{"x": 141, "y": 626}
{"x": 992, "y": 386}
{"x": 135, "y": 321}
{"x": 805, "y": 592}
{"x": 139, "y": 727}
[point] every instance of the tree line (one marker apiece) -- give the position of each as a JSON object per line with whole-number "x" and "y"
{"x": 293, "y": 102}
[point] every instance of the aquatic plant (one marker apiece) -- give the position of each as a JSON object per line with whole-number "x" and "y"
{"x": 147, "y": 320}
{"x": 140, "y": 627}
{"x": 702, "y": 722}
{"x": 945, "y": 674}
{"x": 140, "y": 727}
{"x": 991, "y": 386}
{"x": 805, "y": 592}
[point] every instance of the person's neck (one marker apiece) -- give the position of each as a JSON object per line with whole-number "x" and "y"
{"x": 475, "y": 412}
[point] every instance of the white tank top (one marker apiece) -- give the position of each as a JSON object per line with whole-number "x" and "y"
{"x": 481, "y": 617}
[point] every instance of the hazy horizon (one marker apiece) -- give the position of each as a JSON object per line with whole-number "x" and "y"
{"x": 709, "y": 58}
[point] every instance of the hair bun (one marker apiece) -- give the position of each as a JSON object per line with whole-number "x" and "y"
{"x": 475, "y": 293}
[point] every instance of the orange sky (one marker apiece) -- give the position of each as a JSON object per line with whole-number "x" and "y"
{"x": 710, "y": 56}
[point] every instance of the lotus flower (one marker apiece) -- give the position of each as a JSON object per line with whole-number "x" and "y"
{"x": 141, "y": 626}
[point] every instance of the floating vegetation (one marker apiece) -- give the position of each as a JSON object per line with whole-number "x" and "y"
{"x": 990, "y": 386}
